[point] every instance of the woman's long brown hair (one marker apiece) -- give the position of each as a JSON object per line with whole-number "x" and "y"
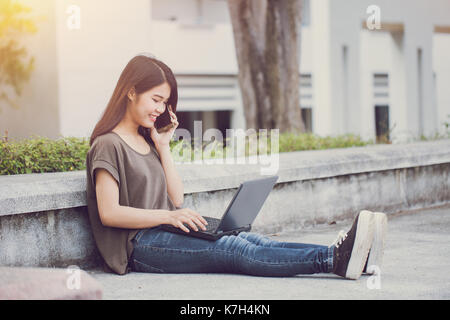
{"x": 143, "y": 73}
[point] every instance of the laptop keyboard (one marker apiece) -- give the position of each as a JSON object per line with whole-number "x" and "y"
{"x": 213, "y": 223}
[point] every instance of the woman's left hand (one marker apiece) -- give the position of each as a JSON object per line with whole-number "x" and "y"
{"x": 163, "y": 139}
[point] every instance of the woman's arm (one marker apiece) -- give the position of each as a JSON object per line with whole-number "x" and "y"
{"x": 175, "y": 187}
{"x": 162, "y": 143}
{"x": 114, "y": 215}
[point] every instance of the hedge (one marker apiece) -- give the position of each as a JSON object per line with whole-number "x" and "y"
{"x": 41, "y": 154}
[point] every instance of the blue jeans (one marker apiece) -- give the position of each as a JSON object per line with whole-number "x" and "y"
{"x": 156, "y": 250}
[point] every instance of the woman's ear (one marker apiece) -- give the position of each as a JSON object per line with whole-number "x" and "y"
{"x": 132, "y": 94}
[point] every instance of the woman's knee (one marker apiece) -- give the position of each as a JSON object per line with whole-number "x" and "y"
{"x": 258, "y": 239}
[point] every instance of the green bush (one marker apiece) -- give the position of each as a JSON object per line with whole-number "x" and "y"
{"x": 40, "y": 154}
{"x": 288, "y": 142}
{"x": 291, "y": 142}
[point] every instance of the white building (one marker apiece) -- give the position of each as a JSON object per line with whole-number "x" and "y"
{"x": 354, "y": 80}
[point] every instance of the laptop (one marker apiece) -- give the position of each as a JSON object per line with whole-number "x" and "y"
{"x": 240, "y": 213}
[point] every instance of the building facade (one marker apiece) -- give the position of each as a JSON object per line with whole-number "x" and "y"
{"x": 356, "y": 78}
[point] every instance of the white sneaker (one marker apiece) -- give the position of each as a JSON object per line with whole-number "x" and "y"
{"x": 375, "y": 259}
{"x": 351, "y": 249}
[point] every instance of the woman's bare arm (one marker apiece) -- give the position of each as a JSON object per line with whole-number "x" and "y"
{"x": 175, "y": 187}
{"x": 114, "y": 215}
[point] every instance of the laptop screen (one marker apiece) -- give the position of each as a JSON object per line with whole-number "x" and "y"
{"x": 246, "y": 203}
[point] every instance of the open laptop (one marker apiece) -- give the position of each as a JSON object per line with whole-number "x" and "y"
{"x": 240, "y": 213}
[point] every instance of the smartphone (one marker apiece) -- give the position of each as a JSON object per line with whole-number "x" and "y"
{"x": 163, "y": 122}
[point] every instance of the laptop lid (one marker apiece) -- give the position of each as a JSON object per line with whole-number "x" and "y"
{"x": 246, "y": 203}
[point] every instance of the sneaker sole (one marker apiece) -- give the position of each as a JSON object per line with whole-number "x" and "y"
{"x": 376, "y": 252}
{"x": 361, "y": 246}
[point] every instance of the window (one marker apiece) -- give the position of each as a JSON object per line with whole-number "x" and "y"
{"x": 191, "y": 12}
{"x": 381, "y": 102}
{"x": 307, "y": 119}
{"x": 382, "y": 123}
{"x": 306, "y": 100}
{"x": 220, "y": 120}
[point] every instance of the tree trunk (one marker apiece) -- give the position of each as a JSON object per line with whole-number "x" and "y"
{"x": 266, "y": 35}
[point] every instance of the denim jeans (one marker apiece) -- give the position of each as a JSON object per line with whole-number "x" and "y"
{"x": 156, "y": 250}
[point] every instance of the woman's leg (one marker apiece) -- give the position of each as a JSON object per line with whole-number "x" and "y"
{"x": 267, "y": 242}
{"x": 159, "y": 251}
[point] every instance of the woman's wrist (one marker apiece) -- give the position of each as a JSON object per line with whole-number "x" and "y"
{"x": 160, "y": 148}
{"x": 162, "y": 216}
{"x": 167, "y": 217}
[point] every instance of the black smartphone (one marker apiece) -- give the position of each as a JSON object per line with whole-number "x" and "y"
{"x": 164, "y": 122}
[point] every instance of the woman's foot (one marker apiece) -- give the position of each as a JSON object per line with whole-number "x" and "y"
{"x": 352, "y": 248}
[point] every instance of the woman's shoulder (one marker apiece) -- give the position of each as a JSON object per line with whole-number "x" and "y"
{"x": 106, "y": 139}
{"x": 105, "y": 144}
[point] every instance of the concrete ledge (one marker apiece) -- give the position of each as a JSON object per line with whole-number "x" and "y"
{"x": 319, "y": 164}
{"x": 42, "y": 192}
{"x": 60, "y": 190}
{"x": 54, "y": 238}
{"x": 44, "y": 220}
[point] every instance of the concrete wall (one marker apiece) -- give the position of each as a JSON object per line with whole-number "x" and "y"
{"x": 90, "y": 59}
{"x": 441, "y": 67}
{"x": 77, "y": 69}
{"x": 44, "y": 221}
{"x": 39, "y": 104}
{"x": 343, "y": 90}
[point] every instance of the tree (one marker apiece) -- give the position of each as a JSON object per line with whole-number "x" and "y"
{"x": 15, "y": 66}
{"x": 267, "y": 35}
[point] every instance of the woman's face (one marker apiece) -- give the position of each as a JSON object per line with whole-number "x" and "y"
{"x": 149, "y": 105}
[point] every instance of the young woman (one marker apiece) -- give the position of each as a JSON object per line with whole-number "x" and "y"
{"x": 133, "y": 188}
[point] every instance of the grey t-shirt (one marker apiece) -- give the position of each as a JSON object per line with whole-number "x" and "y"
{"x": 142, "y": 184}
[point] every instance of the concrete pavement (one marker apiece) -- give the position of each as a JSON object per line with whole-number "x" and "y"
{"x": 416, "y": 266}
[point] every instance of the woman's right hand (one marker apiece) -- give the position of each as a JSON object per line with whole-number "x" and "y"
{"x": 178, "y": 217}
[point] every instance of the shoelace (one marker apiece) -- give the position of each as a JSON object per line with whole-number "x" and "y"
{"x": 340, "y": 238}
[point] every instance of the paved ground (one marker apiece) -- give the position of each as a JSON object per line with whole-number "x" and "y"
{"x": 416, "y": 266}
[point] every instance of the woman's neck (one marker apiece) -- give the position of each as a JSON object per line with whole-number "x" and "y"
{"x": 126, "y": 131}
